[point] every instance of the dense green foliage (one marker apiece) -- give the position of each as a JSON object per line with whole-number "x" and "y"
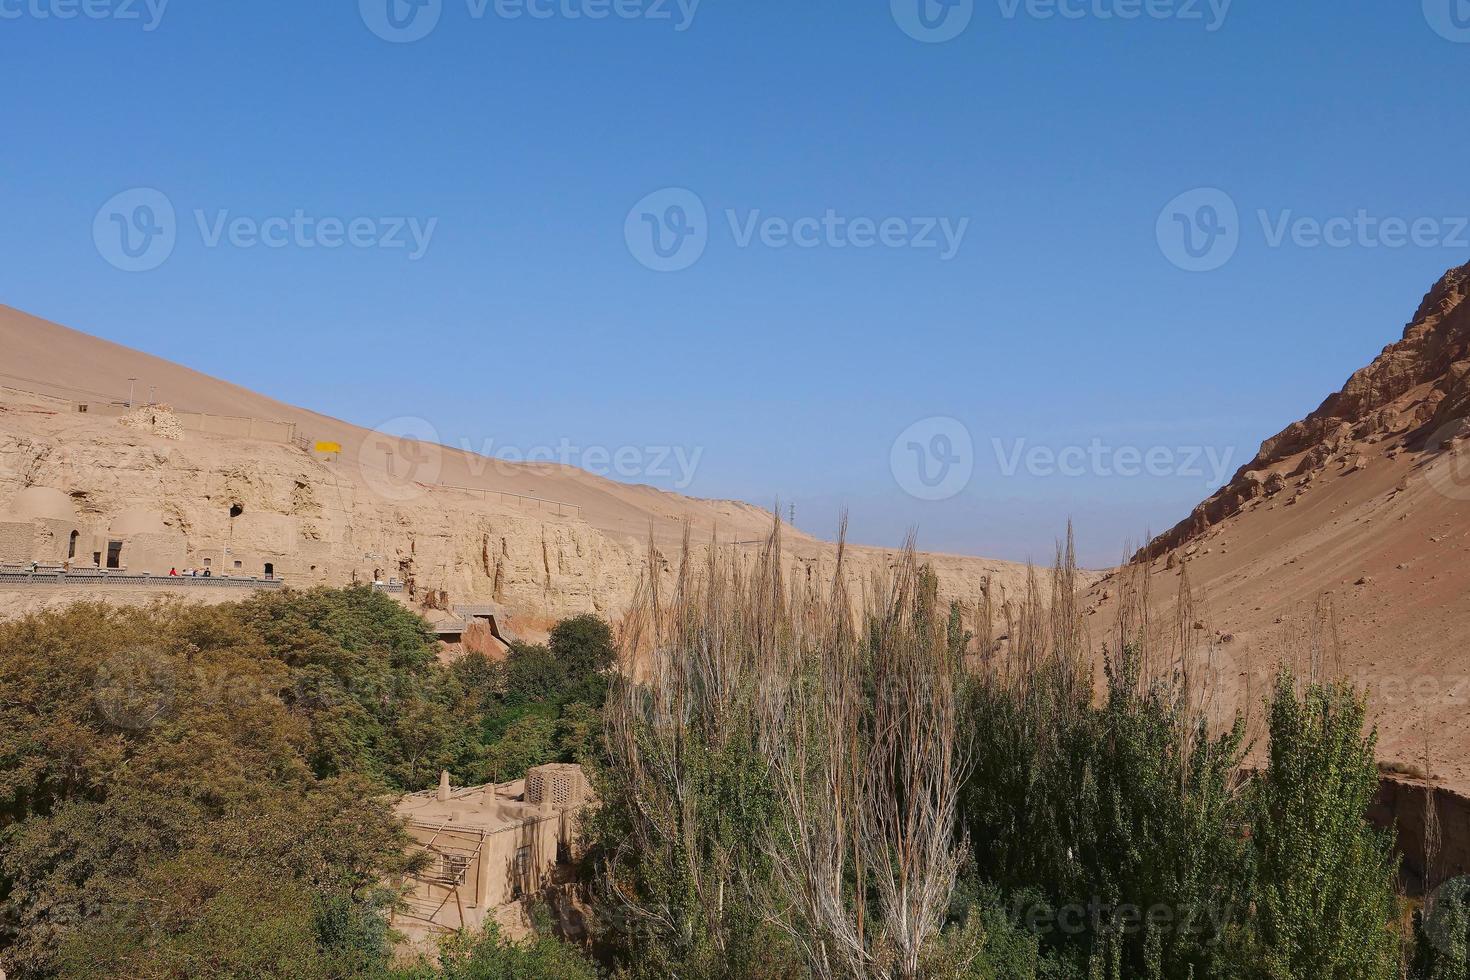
{"x": 1324, "y": 899}
{"x": 1109, "y": 841}
{"x": 192, "y": 792}
{"x": 206, "y": 792}
{"x": 1117, "y": 828}
{"x": 1442, "y": 934}
{"x": 681, "y": 903}
{"x": 488, "y": 957}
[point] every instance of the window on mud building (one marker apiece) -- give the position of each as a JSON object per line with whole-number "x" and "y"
{"x": 236, "y": 510}
{"x": 270, "y": 570}
{"x": 455, "y": 868}
{"x": 114, "y": 554}
{"x": 71, "y": 545}
{"x": 522, "y": 870}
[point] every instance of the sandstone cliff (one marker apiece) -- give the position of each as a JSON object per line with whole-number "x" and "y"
{"x": 544, "y": 541}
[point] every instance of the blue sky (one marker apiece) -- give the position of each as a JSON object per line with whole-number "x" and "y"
{"x": 527, "y": 151}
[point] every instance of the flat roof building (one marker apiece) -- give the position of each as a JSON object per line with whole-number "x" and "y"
{"x": 489, "y": 846}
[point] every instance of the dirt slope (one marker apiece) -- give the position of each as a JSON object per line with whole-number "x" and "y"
{"x": 1366, "y": 501}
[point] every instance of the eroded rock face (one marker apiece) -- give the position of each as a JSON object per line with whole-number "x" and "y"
{"x": 278, "y": 508}
{"x": 1416, "y": 391}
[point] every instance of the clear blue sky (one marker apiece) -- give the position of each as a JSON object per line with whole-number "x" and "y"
{"x": 528, "y": 320}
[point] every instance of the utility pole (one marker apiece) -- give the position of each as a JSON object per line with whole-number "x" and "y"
{"x": 151, "y": 400}
{"x": 131, "y": 381}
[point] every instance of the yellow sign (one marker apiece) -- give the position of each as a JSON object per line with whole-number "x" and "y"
{"x": 329, "y": 447}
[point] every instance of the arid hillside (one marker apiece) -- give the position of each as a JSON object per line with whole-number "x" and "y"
{"x": 219, "y": 469}
{"x": 1349, "y": 533}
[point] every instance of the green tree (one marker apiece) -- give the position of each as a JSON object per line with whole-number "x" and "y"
{"x": 529, "y": 742}
{"x": 1325, "y": 906}
{"x": 583, "y": 645}
{"x": 161, "y": 816}
{"x": 488, "y": 956}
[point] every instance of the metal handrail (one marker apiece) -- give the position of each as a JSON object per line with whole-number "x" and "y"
{"x": 14, "y": 575}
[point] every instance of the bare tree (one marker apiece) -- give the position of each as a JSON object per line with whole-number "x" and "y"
{"x": 851, "y": 717}
{"x": 860, "y": 727}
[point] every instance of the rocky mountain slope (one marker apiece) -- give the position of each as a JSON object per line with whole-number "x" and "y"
{"x": 1349, "y": 535}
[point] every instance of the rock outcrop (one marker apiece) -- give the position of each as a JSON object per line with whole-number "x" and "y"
{"x": 1417, "y": 391}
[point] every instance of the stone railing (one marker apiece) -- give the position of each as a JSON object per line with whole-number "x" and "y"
{"x": 11, "y": 575}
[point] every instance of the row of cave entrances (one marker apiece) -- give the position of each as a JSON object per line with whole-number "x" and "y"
{"x": 114, "y": 550}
